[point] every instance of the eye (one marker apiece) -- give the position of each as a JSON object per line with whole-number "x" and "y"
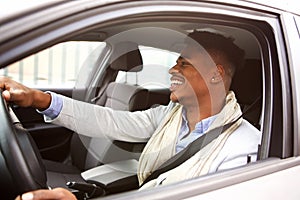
{"x": 185, "y": 64}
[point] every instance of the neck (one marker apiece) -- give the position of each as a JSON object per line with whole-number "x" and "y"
{"x": 202, "y": 110}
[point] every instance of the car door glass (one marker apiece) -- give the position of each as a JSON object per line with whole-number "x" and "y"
{"x": 57, "y": 66}
{"x": 156, "y": 63}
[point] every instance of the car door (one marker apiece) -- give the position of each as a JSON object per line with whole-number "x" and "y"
{"x": 52, "y": 141}
{"x": 276, "y": 174}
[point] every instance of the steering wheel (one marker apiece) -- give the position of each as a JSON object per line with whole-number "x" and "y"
{"x": 21, "y": 166}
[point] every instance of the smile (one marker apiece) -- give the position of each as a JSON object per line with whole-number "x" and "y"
{"x": 176, "y": 82}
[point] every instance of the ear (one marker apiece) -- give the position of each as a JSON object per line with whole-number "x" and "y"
{"x": 218, "y": 74}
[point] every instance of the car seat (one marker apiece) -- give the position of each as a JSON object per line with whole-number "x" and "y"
{"x": 121, "y": 96}
{"x": 247, "y": 86}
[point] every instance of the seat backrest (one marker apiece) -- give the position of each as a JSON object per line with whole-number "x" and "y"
{"x": 125, "y": 57}
{"x": 247, "y": 85}
{"x": 119, "y": 96}
{"x": 158, "y": 96}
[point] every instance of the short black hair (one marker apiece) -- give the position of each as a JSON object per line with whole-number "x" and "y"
{"x": 220, "y": 47}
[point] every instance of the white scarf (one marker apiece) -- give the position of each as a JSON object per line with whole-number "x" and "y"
{"x": 162, "y": 144}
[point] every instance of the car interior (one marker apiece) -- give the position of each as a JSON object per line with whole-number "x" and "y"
{"x": 113, "y": 164}
{"x": 121, "y": 156}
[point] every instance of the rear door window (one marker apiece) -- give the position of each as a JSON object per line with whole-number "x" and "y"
{"x": 156, "y": 63}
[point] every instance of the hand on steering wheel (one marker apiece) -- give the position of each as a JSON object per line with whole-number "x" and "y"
{"x": 21, "y": 166}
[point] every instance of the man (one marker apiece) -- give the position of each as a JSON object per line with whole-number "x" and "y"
{"x": 200, "y": 101}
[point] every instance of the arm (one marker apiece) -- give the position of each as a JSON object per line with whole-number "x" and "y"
{"x": 89, "y": 119}
{"x": 93, "y": 120}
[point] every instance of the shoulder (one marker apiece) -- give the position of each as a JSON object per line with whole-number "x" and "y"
{"x": 243, "y": 142}
{"x": 246, "y": 131}
{"x": 244, "y": 137}
{"x": 162, "y": 109}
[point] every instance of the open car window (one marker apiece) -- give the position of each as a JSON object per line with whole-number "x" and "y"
{"x": 82, "y": 59}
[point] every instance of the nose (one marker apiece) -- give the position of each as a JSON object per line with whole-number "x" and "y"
{"x": 174, "y": 69}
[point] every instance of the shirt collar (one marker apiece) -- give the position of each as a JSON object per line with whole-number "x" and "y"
{"x": 201, "y": 126}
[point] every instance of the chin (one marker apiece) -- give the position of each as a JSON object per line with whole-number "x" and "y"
{"x": 173, "y": 98}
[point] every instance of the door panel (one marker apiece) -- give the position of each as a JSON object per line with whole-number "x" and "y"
{"x": 53, "y": 141}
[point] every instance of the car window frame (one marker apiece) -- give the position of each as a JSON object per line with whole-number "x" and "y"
{"x": 269, "y": 17}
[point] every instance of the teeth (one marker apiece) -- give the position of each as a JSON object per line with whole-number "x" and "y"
{"x": 177, "y": 82}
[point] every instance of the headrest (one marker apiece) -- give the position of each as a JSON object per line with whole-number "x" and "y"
{"x": 247, "y": 82}
{"x": 127, "y": 57}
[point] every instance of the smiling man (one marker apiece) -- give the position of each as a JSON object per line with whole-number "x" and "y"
{"x": 200, "y": 102}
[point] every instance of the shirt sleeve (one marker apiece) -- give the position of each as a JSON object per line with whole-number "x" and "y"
{"x": 97, "y": 121}
{"x": 55, "y": 107}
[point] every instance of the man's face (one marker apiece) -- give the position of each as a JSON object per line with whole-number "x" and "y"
{"x": 191, "y": 76}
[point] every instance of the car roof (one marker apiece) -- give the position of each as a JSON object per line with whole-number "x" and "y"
{"x": 32, "y": 15}
{"x": 286, "y": 5}
{"x": 15, "y": 8}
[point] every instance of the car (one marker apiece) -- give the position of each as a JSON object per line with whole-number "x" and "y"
{"x": 68, "y": 47}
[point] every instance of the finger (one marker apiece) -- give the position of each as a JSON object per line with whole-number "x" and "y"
{"x": 18, "y": 198}
{"x": 40, "y": 195}
{"x": 2, "y": 78}
{"x": 3, "y": 82}
{"x": 15, "y": 95}
{"x": 55, "y": 194}
{"x": 6, "y": 95}
{"x": 27, "y": 196}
